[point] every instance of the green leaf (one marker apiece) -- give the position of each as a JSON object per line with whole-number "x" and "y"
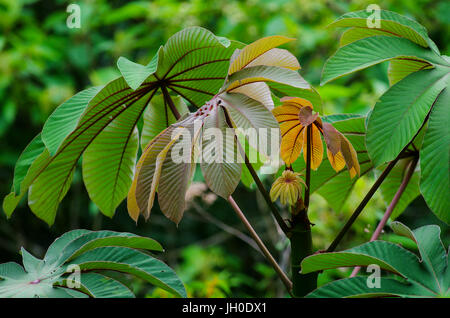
{"x": 431, "y": 250}
{"x": 354, "y": 34}
{"x": 82, "y": 242}
{"x": 402, "y": 67}
{"x": 65, "y": 118}
{"x": 109, "y": 163}
{"x": 358, "y": 287}
{"x": 55, "y": 173}
{"x": 401, "y": 112}
{"x": 388, "y": 256}
{"x": 393, "y": 181}
{"x": 158, "y": 117}
{"x": 435, "y": 158}
{"x": 100, "y": 286}
{"x": 391, "y": 23}
{"x": 133, "y": 262}
{"x": 424, "y": 278}
{"x": 135, "y": 74}
{"x": 26, "y": 159}
{"x": 373, "y": 50}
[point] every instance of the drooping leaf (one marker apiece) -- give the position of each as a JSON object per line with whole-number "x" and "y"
{"x": 220, "y": 166}
{"x": 110, "y": 160}
{"x": 26, "y": 159}
{"x": 65, "y": 118}
{"x": 435, "y": 159}
{"x": 193, "y": 64}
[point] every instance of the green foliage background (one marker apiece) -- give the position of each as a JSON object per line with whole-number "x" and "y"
{"x": 42, "y": 63}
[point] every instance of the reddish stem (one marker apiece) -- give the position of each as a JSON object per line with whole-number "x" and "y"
{"x": 391, "y": 207}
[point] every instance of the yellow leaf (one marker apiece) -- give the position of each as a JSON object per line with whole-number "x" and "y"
{"x": 316, "y": 146}
{"x": 254, "y": 50}
{"x": 277, "y": 57}
{"x": 291, "y": 144}
{"x": 337, "y": 161}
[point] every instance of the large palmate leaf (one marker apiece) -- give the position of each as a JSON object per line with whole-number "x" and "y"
{"x": 85, "y": 250}
{"x": 193, "y": 64}
{"x": 435, "y": 158}
{"x": 419, "y": 75}
{"x": 334, "y": 186}
{"x": 425, "y": 277}
{"x": 242, "y": 104}
{"x": 400, "y": 113}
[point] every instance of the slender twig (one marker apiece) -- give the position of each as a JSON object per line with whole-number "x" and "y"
{"x": 286, "y": 281}
{"x": 362, "y": 205}
{"x": 308, "y": 166}
{"x": 392, "y": 205}
{"x": 170, "y": 102}
{"x": 225, "y": 227}
{"x": 284, "y": 227}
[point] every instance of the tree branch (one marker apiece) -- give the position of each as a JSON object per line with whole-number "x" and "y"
{"x": 286, "y": 281}
{"x": 362, "y": 205}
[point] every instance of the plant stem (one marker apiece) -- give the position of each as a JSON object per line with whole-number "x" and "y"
{"x": 308, "y": 165}
{"x": 300, "y": 235}
{"x": 286, "y": 281}
{"x": 170, "y": 102}
{"x": 391, "y": 207}
{"x": 301, "y": 247}
{"x": 284, "y": 227}
{"x": 362, "y": 205}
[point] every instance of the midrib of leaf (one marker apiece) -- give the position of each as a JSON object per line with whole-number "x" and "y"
{"x": 186, "y": 54}
{"x": 195, "y": 67}
{"x": 79, "y": 134}
{"x": 125, "y": 146}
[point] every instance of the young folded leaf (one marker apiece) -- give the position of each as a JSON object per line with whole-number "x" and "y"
{"x": 295, "y": 115}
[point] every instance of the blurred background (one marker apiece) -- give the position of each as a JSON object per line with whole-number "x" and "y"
{"x": 43, "y": 62}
